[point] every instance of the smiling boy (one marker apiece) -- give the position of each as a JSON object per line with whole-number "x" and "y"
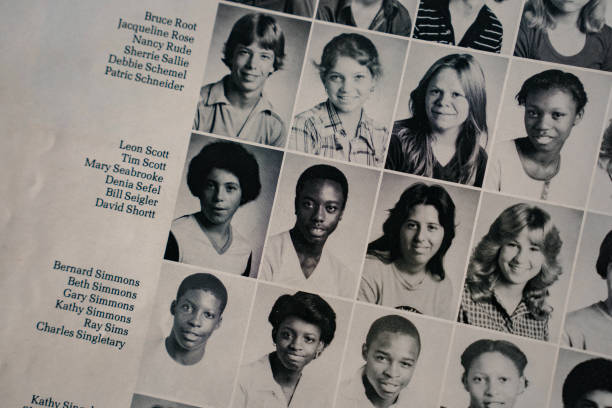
{"x": 236, "y": 105}
{"x": 298, "y": 257}
{"x": 390, "y": 351}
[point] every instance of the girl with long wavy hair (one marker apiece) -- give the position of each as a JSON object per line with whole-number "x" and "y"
{"x": 443, "y": 137}
{"x": 571, "y": 32}
{"x": 510, "y": 272}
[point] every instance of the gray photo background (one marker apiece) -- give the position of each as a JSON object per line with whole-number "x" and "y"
{"x": 251, "y": 219}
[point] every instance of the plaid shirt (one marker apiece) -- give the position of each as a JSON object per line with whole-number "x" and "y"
{"x": 491, "y": 315}
{"x": 319, "y": 131}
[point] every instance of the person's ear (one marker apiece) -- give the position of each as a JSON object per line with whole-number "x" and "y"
{"x": 172, "y": 307}
{"x": 218, "y": 322}
{"x": 320, "y": 348}
{"x": 578, "y": 117}
{"x": 364, "y": 351}
{"x": 464, "y": 381}
{"x": 523, "y": 384}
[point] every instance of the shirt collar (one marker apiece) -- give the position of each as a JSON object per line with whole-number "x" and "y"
{"x": 388, "y": 6}
{"x": 355, "y": 390}
{"x": 216, "y": 95}
{"x": 364, "y": 127}
{"x": 521, "y": 308}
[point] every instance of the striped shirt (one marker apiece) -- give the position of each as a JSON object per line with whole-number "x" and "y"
{"x": 319, "y": 131}
{"x": 490, "y": 314}
{"x": 433, "y": 23}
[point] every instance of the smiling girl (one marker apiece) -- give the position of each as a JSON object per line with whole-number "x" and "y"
{"x": 571, "y": 32}
{"x": 443, "y": 137}
{"x": 303, "y": 325}
{"x": 510, "y": 271}
{"x": 493, "y": 373}
{"x": 339, "y": 128}
{"x": 404, "y": 268}
{"x": 532, "y": 166}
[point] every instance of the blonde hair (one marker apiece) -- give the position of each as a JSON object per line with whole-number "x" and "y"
{"x": 483, "y": 271}
{"x": 592, "y": 17}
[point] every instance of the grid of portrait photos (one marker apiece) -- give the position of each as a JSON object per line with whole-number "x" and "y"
{"x": 396, "y": 203}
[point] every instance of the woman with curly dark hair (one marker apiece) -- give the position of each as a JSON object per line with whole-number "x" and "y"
{"x": 510, "y": 272}
{"x": 223, "y": 176}
{"x": 303, "y": 325}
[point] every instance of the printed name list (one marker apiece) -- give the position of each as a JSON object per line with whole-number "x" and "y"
{"x": 157, "y": 53}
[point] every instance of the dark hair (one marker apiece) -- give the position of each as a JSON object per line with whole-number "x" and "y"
{"x": 353, "y": 45}
{"x": 205, "y": 282}
{"x": 590, "y": 375}
{"x": 554, "y": 79}
{"x": 483, "y": 270}
{"x": 503, "y": 347}
{"x": 605, "y": 256}
{"x": 393, "y": 324}
{"x": 416, "y": 143}
{"x": 256, "y": 28}
{"x": 228, "y": 156}
{"x": 307, "y": 306}
{"x": 605, "y": 151}
{"x": 387, "y": 247}
{"x": 325, "y": 172}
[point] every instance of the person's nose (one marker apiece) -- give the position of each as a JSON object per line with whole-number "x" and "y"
{"x": 195, "y": 319}
{"x": 220, "y": 195}
{"x": 443, "y": 99}
{"x": 420, "y": 235}
{"x": 491, "y": 388}
{"x": 520, "y": 257}
{"x": 544, "y": 122}
{"x": 296, "y": 344}
{"x": 392, "y": 370}
{"x": 319, "y": 213}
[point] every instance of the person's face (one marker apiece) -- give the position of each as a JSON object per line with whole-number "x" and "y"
{"x": 595, "y": 399}
{"x": 493, "y": 381}
{"x": 251, "y": 66}
{"x": 318, "y": 209}
{"x": 390, "y": 362}
{"x": 297, "y": 343}
{"x": 569, "y": 6}
{"x": 550, "y": 116}
{"x": 221, "y": 196}
{"x": 445, "y": 102}
{"x": 197, "y": 314}
{"x": 520, "y": 259}
{"x": 348, "y": 84}
{"x": 421, "y": 235}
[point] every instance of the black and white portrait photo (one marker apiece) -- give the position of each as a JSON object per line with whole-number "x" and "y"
{"x": 386, "y": 16}
{"x": 485, "y": 25}
{"x": 552, "y": 156}
{"x": 252, "y": 73}
{"x": 145, "y": 401}
{"x": 570, "y": 32}
{"x": 347, "y": 95}
{"x": 447, "y": 105}
{"x": 223, "y": 205}
{"x": 588, "y": 322}
{"x": 418, "y": 245}
{"x": 293, "y": 350}
{"x": 601, "y": 189}
{"x": 196, "y": 327}
{"x": 581, "y": 380}
{"x": 489, "y": 369}
{"x": 319, "y": 226}
{"x": 393, "y": 359}
{"x": 520, "y": 267}
{"x": 303, "y": 8}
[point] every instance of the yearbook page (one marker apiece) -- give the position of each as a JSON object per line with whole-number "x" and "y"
{"x": 306, "y": 203}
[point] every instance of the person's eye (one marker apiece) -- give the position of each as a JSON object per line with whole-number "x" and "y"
{"x": 558, "y": 115}
{"x": 532, "y": 113}
{"x": 457, "y": 95}
{"x": 266, "y": 57}
{"x": 231, "y": 187}
{"x": 380, "y": 358}
{"x": 186, "y": 307}
{"x": 406, "y": 364}
{"x": 433, "y": 227}
{"x": 331, "y": 209}
{"x": 503, "y": 380}
{"x": 434, "y": 91}
{"x": 477, "y": 380}
{"x": 307, "y": 204}
{"x": 534, "y": 248}
{"x": 309, "y": 340}
{"x": 209, "y": 315}
{"x": 334, "y": 77}
{"x": 209, "y": 185}
{"x": 411, "y": 225}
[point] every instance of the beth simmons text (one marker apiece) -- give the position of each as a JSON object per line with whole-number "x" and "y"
{"x": 101, "y": 301}
{"x": 157, "y": 53}
{"x": 133, "y": 183}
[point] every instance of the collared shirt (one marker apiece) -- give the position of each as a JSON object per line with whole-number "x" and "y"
{"x": 281, "y": 264}
{"x": 391, "y": 18}
{"x": 303, "y": 8}
{"x": 319, "y": 131}
{"x": 433, "y": 23}
{"x": 352, "y": 394}
{"x": 258, "y": 389}
{"x": 214, "y": 115}
{"x": 490, "y": 314}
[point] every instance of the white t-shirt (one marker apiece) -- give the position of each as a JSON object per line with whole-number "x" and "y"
{"x": 195, "y": 247}
{"x": 352, "y": 394}
{"x": 506, "y": 174}
{"x": 281, "y": 264}
{"x": 590, "y": 329}
{"x": 383, "y": 284}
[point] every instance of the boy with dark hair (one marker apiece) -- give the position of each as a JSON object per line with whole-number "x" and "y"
{"x": 297, "y": 257}
{"x": 236, "y": 106}
{"x": 589, "y": 385}
{"x": 390, "y": 351}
